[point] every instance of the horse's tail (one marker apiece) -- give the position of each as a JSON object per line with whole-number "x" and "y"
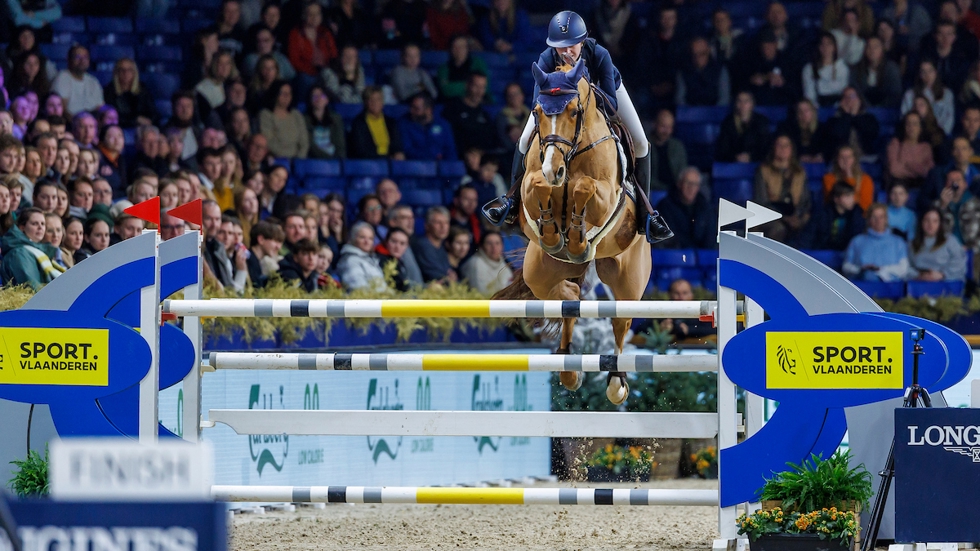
{"x": 517, "y": 290}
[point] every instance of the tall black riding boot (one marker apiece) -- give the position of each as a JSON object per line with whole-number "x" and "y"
{"x": 648, "y": 221}
{"x": 503, "y": 210}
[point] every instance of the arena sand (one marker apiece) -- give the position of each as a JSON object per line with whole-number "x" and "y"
{"x": 493, "y": 527}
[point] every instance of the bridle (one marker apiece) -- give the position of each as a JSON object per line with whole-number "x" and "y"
{"x": 552, "y": 140}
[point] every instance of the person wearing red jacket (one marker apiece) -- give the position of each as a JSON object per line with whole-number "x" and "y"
{"x": 311, "y": 45}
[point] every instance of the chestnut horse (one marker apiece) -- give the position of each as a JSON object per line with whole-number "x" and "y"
{"x": 576, "y": 209}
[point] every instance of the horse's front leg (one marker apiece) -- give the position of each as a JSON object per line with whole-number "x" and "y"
{"x": 583, "y": 190}
{"x": 551, "y": 239}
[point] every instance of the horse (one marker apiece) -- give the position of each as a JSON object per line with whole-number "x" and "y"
{"x": 575, "y": 210}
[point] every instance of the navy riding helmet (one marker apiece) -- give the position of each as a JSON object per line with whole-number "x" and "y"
{"x": 566, "y": 29}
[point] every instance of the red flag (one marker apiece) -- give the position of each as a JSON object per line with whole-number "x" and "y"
{"x": 188, "y": 212}
{"x": 148, "y": 210}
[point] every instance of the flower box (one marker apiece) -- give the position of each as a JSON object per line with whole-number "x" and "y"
{"x": 602, "y": 474}
{"x": 795, "y": 542}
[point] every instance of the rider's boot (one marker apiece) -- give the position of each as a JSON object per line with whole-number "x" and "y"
{"x": 650, "y": 224}
{"x": 503, "y": 210}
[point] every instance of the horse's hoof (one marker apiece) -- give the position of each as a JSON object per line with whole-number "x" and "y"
{"x": 553, "y": 250}
{"x": 579, "y": 258}
{"x": 571, "y": 380}
{"x": 617, "y": 390}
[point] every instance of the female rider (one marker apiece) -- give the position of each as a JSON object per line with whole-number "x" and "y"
{"x": 568, "y": 42}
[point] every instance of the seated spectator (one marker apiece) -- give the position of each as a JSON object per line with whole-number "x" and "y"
{"x": 402, "y": 21}
{"x": 101, "y": 192}
{"x": 80, "y": 197}
{"x": 265, "y": 44}
{"x": 838, "y": 221}
{"x": 273, "y": 199}
{"x": 425, "y": 136}
{"x": 170, "y": 194}
{"x": 294, "y": 227}
{"x": 388, "y": 193}
{"x": 27, "y": 259}
{"x": 931, "y": 86}
{"x": 457, "y": 246}
{"x": 325, "y": 127}
{"x": 72, "y": 241}
{"x": 265, "y": 75}
{"x": 744, "y": 134}
{"x": 446, "y": 19}
{"x": 80, "y": 90}
{"x": 849, "y": 41}
{"x": 131, "y": 100}
{"x": 171, "y": 227}
{"x": 454, "y": 75}
{"x": 682, "y": 330}
{"x": 515, "y": 112}
{"x": 969, "y": 94}
{"x": 231, "y": 237}
{"x": 311, "y": 45}
{"x": 374, "y": 135}
{"x": 351, "y": 24}
{"x": 951, "y": 49}
{"x": 472, "y": 124}
{"x": 96, "y": 236}
{"x": 505, "y": 29}
{"x": 148, "y": 154}
{"x": 931, "y": 132}
{"x": 809, "y": 137}
{"x": 231, "y": 35}
{"x": 236, "y": 97}
{"x": 311, "y": 209}
{"x": 282, "y": 124}
{"x": 463, "y": 212}
{"x": 764, "y": 72}
{"x": 428, "y": 248}
{"x": 6, "y": 206}
{"x": 112, "y": 164}
{"x": 655, "y": 57}
{"x": 21, "y": 113}
{"x": 358, "y": 267}
{"x": 962, "y": 154}
{"x": 851, "y": 123}
{"x": 54, "y": 233}
{"x": 33, "y": 168}
{"x": 126, "y": 227}
{"x": 668, "y": 157}
{"x": 780, "y": 185}
{"x": 299, "y": 267}
{"x": 344, "y": 78}
{"x": 402, "y": 217}
{"x": 702, "y": 80}
{"x": 911, "y": 18}
{"x": 212, "y": 87}
{"x": 935, "y": 255}
{"x": 877, "y": 78}
{"x": 369, "y": 210}
{"x": 847, "y": 169}
{"x": 334, "y": 219}
{"x": 184, "y": 127}
{"x": 726, "y": 41}
{"x": 901, "y": 219}
{"x": 30, "y": 74}
{"x": 392, "y": 249}
{"x": 409, "y": 79}
{"x": 258, "y": 158}
{"x": 487, "y": 271}
{"x": 689, "y": 213}
{"x": 837, "y": 10}
{"x": 909, "y": 157}
{"x": 960, "y": 210}
{"x": 45, "y": 196}
{"x": 266, "y": 240}
{"x": 827, "y": 75}
{"x": 877, "y": 254}
{"x": 488, "y": 184}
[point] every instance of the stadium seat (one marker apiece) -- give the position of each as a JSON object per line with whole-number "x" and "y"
{"x": 496, "y": 61}
{"x": 321, "y": 185}
{"x": 434, "y": 59}
{"x": 115, "y": 39}
{"x": 710, "y": 114}
{"x": 104, "y": 77}
{"x": 366, "y": 56}
{"x": 157, "y": 26}
{"x": 422, "y": 197}
{"x": 305, "y": 168}
{"x": 68, "y": 24}
{"x": 161, "y": 85}
{"x": 159, "y": 53}
{"x": 347, "y": 111}
{"x": 707, "y": 258}
{"x": 733, "y": 171}
{"x": 815, "y": 171}
{"x": 775, "y": 113}
{"x": 664, "y": 277}
{"x": 387, "y": 58}
{"x": 396, "y": 111}
{"x": 736, "y": 191}
{"x": 833, "y": 259}
{"x": 916, "y": 289}
{"x": 365, "y": 167}
{"x": 666, "y": 258}
{"x": 68, "y": 38}
{"x": 452, "y": 169}
{"x": 657, "y": 195}
{"x": 164, "y": 109}
{"x": 879, "y": 289}
{"x": 695, "y": 134}
{"x": 111, "y": 53}
{"x": 55, "y": 52}
{"x": 190, "y": 25}
{"x": 284, "y": 162}
{"x": 109, "y": 25}
{"x": 425, "y": 169}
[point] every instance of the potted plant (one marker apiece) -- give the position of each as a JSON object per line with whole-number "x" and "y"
{"x": 811, "y": 506}
{"x": 614, "y": 463}
{"x": 705, "y": 462}
{"x": 31, "y": 478}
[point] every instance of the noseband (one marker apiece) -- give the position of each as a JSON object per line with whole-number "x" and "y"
{"x": 552, "y": 140}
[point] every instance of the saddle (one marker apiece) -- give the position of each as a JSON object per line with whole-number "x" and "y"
{"x": 618, "y": 129}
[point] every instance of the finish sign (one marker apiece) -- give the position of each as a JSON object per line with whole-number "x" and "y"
{"x": 42, "y": 356}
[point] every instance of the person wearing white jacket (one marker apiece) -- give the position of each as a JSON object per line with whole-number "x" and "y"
{"x": 358, "y": 267}
{"x": 487, "y": 271}
{"x": 825, "y": 78}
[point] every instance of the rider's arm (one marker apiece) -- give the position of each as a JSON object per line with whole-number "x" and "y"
{"x": 608, "y": 78}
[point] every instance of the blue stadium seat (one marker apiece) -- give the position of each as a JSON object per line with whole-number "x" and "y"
{"x": 304, "y": 168}
{"x": 425, "y": 169}
{"x": 321, "y": 185}
{"x": 284, "y": 162}
{"x": 365, "y": 167}
{"x": 879, "y": 289}
{"x": 68, "y": 38}
{"x": 707, "y": 258}
{"x": 396, "y": 111}
{"x": 55, "y": 52}
{"x": 918, "y": 289}
{"x": 433, "y": 59}
{"x": 109, "y": 25}
{"x": 157, "y": 26}
{"x": 115, "y": 39}
{"x": 104, "y": 77}
{"x": 422, "y": 197}
{"x": 190, "y": 25}
{"x": 347, "y": 111}
{"x": 711, "y": 114}
{"x": 665, "y": 258}
{"x": 664, "y": 277}
{"x": 159, "y": 53}
{"x": 161, "y": 85}
{"x": 873, "y": 170}
{"x": 496, "y": 61}
{"x": 825, "y": 113}
{"x": 366, "y": 56}
{"x": 387, "y": 58}
{"x": 695, "y": 134}
{"x": 736, "y": 191}
{"x": 69, "y": 24}
{"x": 164, "y": 108}
{"x": 111, "y": 53}
{"x": 775, "y": 113}
{"x": 885, "y": 116}
{"x": 833, "y": 259}
{"x": 452, "y": 169}
{"x": 815, "y": 171}
{"x": 732, "y": 171}
{"x": 657, "y": 195}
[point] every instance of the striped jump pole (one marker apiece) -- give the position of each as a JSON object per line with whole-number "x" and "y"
{"x": 471, "y": 496}
{"x": 644, "y": 363}
{"x": 328, "y": 308}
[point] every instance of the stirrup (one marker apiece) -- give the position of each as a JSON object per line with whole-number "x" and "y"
{"x": 499, "y": 215}
{"x": 657, "y": 229}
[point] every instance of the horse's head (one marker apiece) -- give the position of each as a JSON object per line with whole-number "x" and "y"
{"x": 558, "y": 112}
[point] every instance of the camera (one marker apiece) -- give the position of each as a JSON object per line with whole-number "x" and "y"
{"x": 918, "y": 334}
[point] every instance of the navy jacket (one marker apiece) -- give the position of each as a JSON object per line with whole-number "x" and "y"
{"x": 597, "y": 60}
{"x": 433, "y": 141}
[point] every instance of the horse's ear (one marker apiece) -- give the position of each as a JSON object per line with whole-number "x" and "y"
{"x": 540, "y": 78}
{"x": 577, "y": 72}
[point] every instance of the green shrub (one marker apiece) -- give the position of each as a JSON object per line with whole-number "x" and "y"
{"x": 817, "y": 484}
{"x": 31, "y": 479}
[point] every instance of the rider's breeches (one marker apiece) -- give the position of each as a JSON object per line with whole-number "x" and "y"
{"x": 626, "y": 111}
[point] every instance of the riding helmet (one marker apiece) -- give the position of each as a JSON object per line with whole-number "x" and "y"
{"x": 566, "y": 29}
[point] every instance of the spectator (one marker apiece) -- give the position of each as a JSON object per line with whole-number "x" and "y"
{"x": 836, "y": 11}
{"x": 126, "y": 227}
{"x": 282, "y": 124}
{"x": 849, "y": 42}
{"x": 931, "y": 132}
{"x": 202, "y": 51}
{"x": 847, "y": 169}
{"x": 962, "y": 154}
{"x": 744, "y": 134}
{"x": 265, "y": 45}
{"x": 680, "y": 289}
{"x": 931, "y": 86}
{"x": 212, "y": 87}
{"x": 780, "y": 185}
{"x": 763, "y": 72}
{"x": 27, "y": 259}
{"x": 258, "y": 157}
{"x": 935, "y": 255}
{"x": 33, "y": 169}
{"x": 97, "y": 235}
{"x": 54, "y": 233}
{"x": 231, "y": 36}
{"x": 311, "y": 45}
{"x": 725, "y": 40}
{"x": 909, "y": 21}
{"x": 72, "y": 241}
{"x": 909, "y": 157}
{"x": 463, "y": 213}
{"x": 132, "y": 101}
{"x": 61, "y": 167}
{"x": 458, "y": 246}
{"x": 825, "y": 77}
{"x": 270, "y": 18}
{"x": 81, "y": 91}
{"x": 424, "y": 136}
{"x": 402, "y": 217}
{"x": 36, "y": 15}
{"x": 969, "y": 95}
{"x": 668, "y": 157}
{"x": 402, "y": 21}
{"x": 148, "y": 153}
{"x": 803, "y": 128}
{"x": 265, "y": 75}
{"x": 487, "y": 271}
{"x": 336, "y": 218}
{"x": 505, "y": 29}
{"x": 408, "y": 78}
{"x": 239, "y": 130}
{"x": 969, "y": 19}
{"x": 171, "y": 227}
{"x": 454, "y": 75}
{"x": 101, "y": 192}
{"x": 392, "y": 249}
{"x": 214, "y": 251}
{"x": 266, "y": 240}
{"x": 877, "y": 78}
{"x": 20, "y": 110}
{"x": 351, "y": 24}
{"x": 446, "y": 19}
{"x": 299, "y": 266}
{"x": 656, "y": 58}
{"x": 877, "y": 254}
{"x": 344, "y": 78}
{"x": 609, "y": 23}
{"x": 170, "y": 194}
{"x": 231, "y": 237}
{"x": 30, "y": 74}
{"x": 294, "y": 226}
{"x": 185, "y": 126}
{"x": 428, "y": 248}
{"x": 112, "y": 164}
{"x": 702, "y": 80}
{"x": 515, "y": 112}
{"x": 373, "y": 134}
{"x": 901, "y": 219}
{"x": 61, "y": 206}
{"x": 275, "y": 202}
{"x": 960, "y": 210}
{"x": 777, "y": 24}
{"x": 388, "y": 194}
{"x": 471, "y": 123}
{"x": 81, "y": 197}
{"x": 949, "y": 52}
{"x": 325, "y": 127}
{"x": 358, "y": 267}
{"x": 489, "y": 184}
{"x": 370, "y": 210}
{"x": 689, "y": 213}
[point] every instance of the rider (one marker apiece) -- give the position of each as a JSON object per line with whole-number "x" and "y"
{"x": 568, "y": 42}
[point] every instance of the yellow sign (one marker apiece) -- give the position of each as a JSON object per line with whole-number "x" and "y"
{"x": 830, "y": 360}
{"x": 37, "y": 356}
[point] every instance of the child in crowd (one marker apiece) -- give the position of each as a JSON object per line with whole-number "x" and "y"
{"x": 840, "y": 220}
{"x": 901, "y": 219}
